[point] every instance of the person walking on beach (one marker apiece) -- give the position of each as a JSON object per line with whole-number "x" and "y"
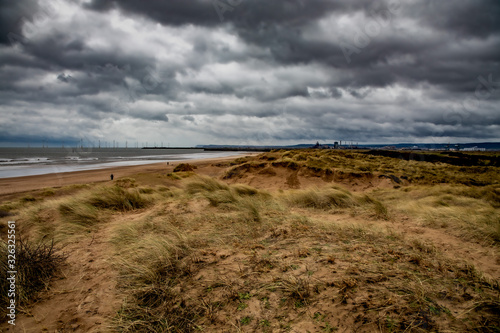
{"x": 112, "y": 176}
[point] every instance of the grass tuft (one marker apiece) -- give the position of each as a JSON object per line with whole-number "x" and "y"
{"x": 185, "y": 167}
{"x": 126, "y": 182}
{"x": 321, "y": 199}
{"x": 296, "y": 288}
{"x": 79, "y": 212}
{"x": 36, "y": 264}
{"x": 205, "y": 184}
{"x": 117, "y": 198}
{"x": 151, "y": 267}
{"x": 244, "y": 190}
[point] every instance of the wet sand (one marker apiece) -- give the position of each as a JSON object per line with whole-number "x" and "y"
{"x": 9, "y": 186}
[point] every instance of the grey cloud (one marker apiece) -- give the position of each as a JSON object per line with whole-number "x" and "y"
{"x": 64, "y": 78}
{"x": 469, "y": 18}
{"x": 13, "y": 14}
{"x": 270, "y": 70}
{"x": 335, "y": 92}
{"x": 247, "y": 14}
{"x": 189, "y": 118}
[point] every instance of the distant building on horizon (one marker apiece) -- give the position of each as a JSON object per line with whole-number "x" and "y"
{"x": 475, "y": 148}
{"x": 320, "y": 146}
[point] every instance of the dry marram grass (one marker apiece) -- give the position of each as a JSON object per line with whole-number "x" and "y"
{"x": 303, "y": 240}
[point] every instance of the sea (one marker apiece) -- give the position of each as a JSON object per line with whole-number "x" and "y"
{"x": 20, "y": 162}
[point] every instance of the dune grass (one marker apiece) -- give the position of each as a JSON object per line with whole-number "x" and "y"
{"x": 205, "y": 184}
{"x": 469, "y": 213}
{"x": 43, "y": 222}
{"x": 150, "y": 266}
{"x": 117, "y": 198}
{"x": 321, "y": 199}
{"x": 36, "y": 264}
{"x": 65, "y": 218}
{"x": 78, "y": 212}
{"x": 213, "y": 255}
{"x": 62, "y": 220}
{"x": 185, "y": 271}
{"x": 336, "y": 199}
{"x": 416, "y": 168}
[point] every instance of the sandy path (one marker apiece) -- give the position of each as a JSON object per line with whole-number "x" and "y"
{"x": 85, "y": 298}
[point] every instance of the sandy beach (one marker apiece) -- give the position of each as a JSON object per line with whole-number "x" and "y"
{"x": 14, "y": 186}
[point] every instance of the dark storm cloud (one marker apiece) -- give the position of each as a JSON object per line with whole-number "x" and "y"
{"x": 13, "y": 14}
{"x": 174, "y": 12}
{"x": 61, "y": 50}
{"x": 252, "y": 70}
{"x": 469, "y": 18}
{"x": 279, "y": 25}
{"x": 249, "y": 14}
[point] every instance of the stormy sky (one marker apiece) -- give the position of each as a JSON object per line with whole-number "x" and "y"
{"x": 189, "y": 72}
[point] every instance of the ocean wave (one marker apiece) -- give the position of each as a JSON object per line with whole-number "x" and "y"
{"x": 77, "y": 158}
{"x": 31, "y": 160}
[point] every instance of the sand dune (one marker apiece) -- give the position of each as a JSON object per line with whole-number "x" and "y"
{"x": 278, "y": 242}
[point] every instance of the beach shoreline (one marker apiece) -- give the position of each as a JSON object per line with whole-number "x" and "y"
{"x": 17, "y": 185}
{"x": 31, "y": 162}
